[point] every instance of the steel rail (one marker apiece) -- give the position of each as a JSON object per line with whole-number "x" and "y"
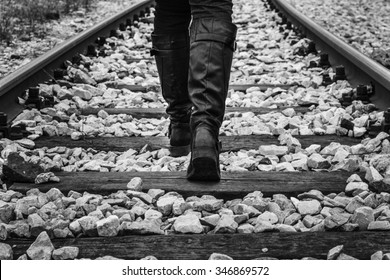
{"x": 360, "y": 69}
{"x": 40, "y": 69}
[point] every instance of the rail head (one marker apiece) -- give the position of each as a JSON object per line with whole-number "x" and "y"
{"x": 360, "y": 69}
{"x": 40, "y": 69}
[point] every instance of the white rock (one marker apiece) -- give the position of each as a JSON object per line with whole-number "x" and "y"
{"x": 3, "y": 232}
{"x": 151, "y": 226}
{"x": 152, "y": 214}
{"x": 26, "y": 143}
{"x": 309, "y": 207}
{"x": 102, "y": 114}
{"x": 211, "y": 220}
{"x": 359, "y": 131}
{"x": 23, "y": 204}
{"x": 266, "y": 168}
{"x": 363, "y": 216}
{"x": 82, "y": 93}
{"x": 226, "y": 224}
{"x": 314, "y": 148}
{"x": 76, "y": 135}
{"x": 316, "y": 161}
{"x": 305, "y": 131}
{"x": 273, "y": 150}
{"x": 289, "y": 112}
{"x": 340, "y": 155}
{"x": 353, "y": 186}
{"x": 319, "y": 131}
{"x": 164, "y": 204}
{"x": 188, "y": 224}
{"x": 179, "y": 206}
{"x": 377, "y": 256}
{"x": 137, "y": 211}
{"x": 36, "y": 223}
{"x": 354, "y": 178}
{"x": 42, "y": 248}
{"x": 335, "y": 252}
{"x": 156, "y": 193}
{"x": 217, "y": 256}
{"x": 268, "y": 217}
{"x": 285, "y": 228}
{"x": 141, "y": 195}
{"x": 75, "y": 227}
{"x": 358, "y": 149}
{"x": 300, "y": 164}
{"x": 46, "y": 177}
{"x": 289, "y": 140}
{"x": 6, "y": 252}
{"x": 108, "y": 226}
{"x": 263, "y": 226}
{"x": 209, "y": 205}
{"x": 379, "y": 225}
{"x": 135, "y": 184}
{"x": 66, "y": 253}
{"x": 372, "y": 175}
{"x": 284, "y": 166}
{"x": 88, "y": 225}
{"x": 92, "y": 165}
{"x": 246, "y": 228}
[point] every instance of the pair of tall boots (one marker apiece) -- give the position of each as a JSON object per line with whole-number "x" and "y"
{"x": 194, "y": 73}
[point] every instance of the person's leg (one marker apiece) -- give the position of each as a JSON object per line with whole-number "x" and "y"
{"x": 212, "y": 39}
{"x": 170, "y": 40}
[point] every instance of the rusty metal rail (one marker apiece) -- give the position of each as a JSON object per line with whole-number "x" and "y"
{"x": 41, "y": 69}
{"x": 359, "y": 68}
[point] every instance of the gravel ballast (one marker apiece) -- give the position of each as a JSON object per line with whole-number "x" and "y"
{"x": 363, "y": 24}
{"x": 263, "y": 56}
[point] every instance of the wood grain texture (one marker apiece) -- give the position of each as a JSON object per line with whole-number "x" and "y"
{"x": 229, "y": 143}
{"x": 239, "y": 246}
{"x": 239, "y": 87}
{"x": 139, "y": 113}
{"x": 232, "y": 185}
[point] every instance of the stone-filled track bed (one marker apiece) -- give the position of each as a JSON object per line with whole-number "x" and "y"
{"x": 86, "y": 170}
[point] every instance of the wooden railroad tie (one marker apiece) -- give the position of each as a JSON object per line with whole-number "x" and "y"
{"x": 232, "y": 185}
{"x": 139, "y": 113}
{"x": 229, "y": 143}
{"x": 281, "y": 245}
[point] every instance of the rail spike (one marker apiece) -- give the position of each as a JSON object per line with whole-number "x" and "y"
{"x": 362, "y": 94}
{"x": 326, "y": 80}
{"x": 386, "y": 121}
{"x": 4, "y": 129}
{"x": 324, "y": 61}
{"x": 34, "y": 99}
{"x": 346, "y": 99}
{"x": 340, "y": 74}
{"x": 91, "y": 51}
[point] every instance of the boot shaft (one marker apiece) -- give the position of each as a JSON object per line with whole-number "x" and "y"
{"x": 212, "y": 43}
{"x": 169, "y": 42}
{"x": 213, "y": 30}
{"x": 171, "y": 52}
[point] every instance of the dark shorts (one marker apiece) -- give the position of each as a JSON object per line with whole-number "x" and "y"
{"x": 175, "y": 15}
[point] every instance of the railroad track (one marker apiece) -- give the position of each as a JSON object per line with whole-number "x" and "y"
{"x": 266, "y": 87}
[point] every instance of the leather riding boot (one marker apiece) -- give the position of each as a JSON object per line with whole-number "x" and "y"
{"x": 171, "y": 52}
{"x": 211, "y": 53}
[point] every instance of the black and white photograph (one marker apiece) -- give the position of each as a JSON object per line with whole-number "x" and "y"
{"x": 136, "y": 135}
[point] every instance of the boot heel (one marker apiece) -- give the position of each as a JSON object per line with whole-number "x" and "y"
{"x": 204, "y": 152}
{"x": 179, "y": 151}
{"x": 204, "y": 166}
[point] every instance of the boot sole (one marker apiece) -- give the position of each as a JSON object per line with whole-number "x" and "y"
{"x": 204, "y": 168}
{"x": 179, "y": 151}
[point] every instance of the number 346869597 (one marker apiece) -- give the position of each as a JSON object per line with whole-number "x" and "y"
{"x": 250, "y": 270}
